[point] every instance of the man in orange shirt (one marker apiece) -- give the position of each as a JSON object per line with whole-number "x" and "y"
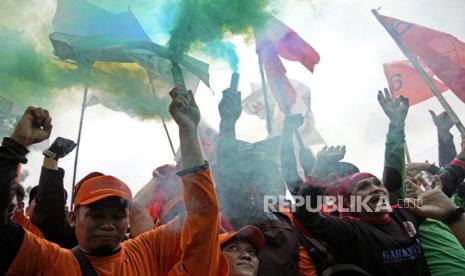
{"x": 101, "y": 216}
{"x": 241, "y": 249}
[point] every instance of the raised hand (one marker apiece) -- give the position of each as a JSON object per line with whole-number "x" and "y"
{"x": 395, "y": 108}
{"x": 432, "y": 204}
{"x": 230, "y": 106}
{"x": 184, "y": 110}
{"x": 331, "y": 154}
{"x": 442, "y": 121}
{"x": 293, "y": 122}
{"x": 34, "y": 127}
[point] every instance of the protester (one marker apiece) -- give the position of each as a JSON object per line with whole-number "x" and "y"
{"x": 435, "y": 204}
{"x": 444, "y": 254}
{"x": 101, "y": 216}
{"x": 162, "y": 195}
{"x": 19, "y": 216}
{"x": 386, "y": 232}
{"x": 241, "y": 249}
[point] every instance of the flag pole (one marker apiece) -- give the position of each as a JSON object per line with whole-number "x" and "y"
{"x": 287, "y": 111}
{"x": 161, "y": 117}
{"x": 83, "y": 109}
{"x": 407, "y": 153}
{"x": 265, "y": 96}
{"x": 423, "y": 75}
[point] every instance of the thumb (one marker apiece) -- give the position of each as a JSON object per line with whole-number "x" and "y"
{"x": 433, "y": 115}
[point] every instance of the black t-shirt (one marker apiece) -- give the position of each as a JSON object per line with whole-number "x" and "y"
{"x": 390, "y": 248}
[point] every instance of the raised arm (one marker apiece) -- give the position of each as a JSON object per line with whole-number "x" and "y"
{"x": 50, "y": 213}
{"x": 446, "y": 147}
{"x": 454, "y": 173}
{"x": 288, "y": 160}
{"x": 230, "y": 109}
{"x": 199, "y": 241}
{"x": 394, "y": 156}
{"x": 230, "y": 179}
{"x": 34, "y": 127}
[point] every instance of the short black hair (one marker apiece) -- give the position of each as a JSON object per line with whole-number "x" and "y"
{"x": 33, "y": 193}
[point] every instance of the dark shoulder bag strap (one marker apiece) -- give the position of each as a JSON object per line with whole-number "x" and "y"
{"x": 86, "y": 267}
{"x": 325, "y": 261}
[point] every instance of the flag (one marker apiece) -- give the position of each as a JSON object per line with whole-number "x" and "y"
{"x": 87, "y": 33}
{"x": 276, "y": 40}
{"x": 288, "y": 43}
{"x": 404, "y": 79}
{"x": 280, "y": 85}
{"x": 254, "y": 105}
{"x": 80, "y": 17}
{"x": 448, "y": 71}
{"x": 443, "y": 53}
{"x": 151, "y": 56}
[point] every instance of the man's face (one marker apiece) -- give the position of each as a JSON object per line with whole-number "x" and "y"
{"x": 371, "y": 187}
{"x": 100, "y": 226}
{"x": 242, "y": 258}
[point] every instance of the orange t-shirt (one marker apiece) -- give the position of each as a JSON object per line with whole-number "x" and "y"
{"x": 161, "y": 251}
{"x": 306, "y": 265}
{"x": 27, "y": 224}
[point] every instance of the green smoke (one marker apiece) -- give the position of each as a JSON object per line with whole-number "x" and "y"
{"x": 223, "y": 50}
{"x": 124, "y": 87}
{"x": 205, "y": 21}
{"x": 29, "y": 77}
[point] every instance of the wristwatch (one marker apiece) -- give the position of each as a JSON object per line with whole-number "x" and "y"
{"x": 454, "y": 217}
{"x": 50, "y": 154}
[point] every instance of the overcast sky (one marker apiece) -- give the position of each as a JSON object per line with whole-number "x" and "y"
{"x": 352, "y": 45}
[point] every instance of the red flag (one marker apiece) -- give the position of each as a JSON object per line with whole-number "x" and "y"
{"x": 278, "y": 39}
{"x": 443, "y": 53}
{"x": 405, "y": 80}
{"x": 448, "y": 71}
{"x": 288, "y": 43}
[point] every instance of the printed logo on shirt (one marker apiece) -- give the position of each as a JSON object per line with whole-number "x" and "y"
{"x": 410, "y": 228}
{"x": 402, "y": 254}
{"x": 271, "y": 216}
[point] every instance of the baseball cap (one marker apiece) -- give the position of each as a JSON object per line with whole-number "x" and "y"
{"x": 96, "y": 186}
{"x": 249, "y": 233}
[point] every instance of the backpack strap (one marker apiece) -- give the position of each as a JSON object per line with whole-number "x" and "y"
{"x": 325, "y": 262}
{"x": 86, "y": 267}
{"x": 319, "y": 253}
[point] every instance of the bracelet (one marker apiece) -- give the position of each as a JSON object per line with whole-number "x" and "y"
{"x": 454, "y": 217}
{"x": 195, "y": 169}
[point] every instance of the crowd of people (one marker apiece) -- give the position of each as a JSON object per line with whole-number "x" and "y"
{"x": 195, "y": 220}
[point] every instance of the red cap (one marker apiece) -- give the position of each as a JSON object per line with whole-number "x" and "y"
{"x": 249, "y": 233}
{"x": 96, "y": 186}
